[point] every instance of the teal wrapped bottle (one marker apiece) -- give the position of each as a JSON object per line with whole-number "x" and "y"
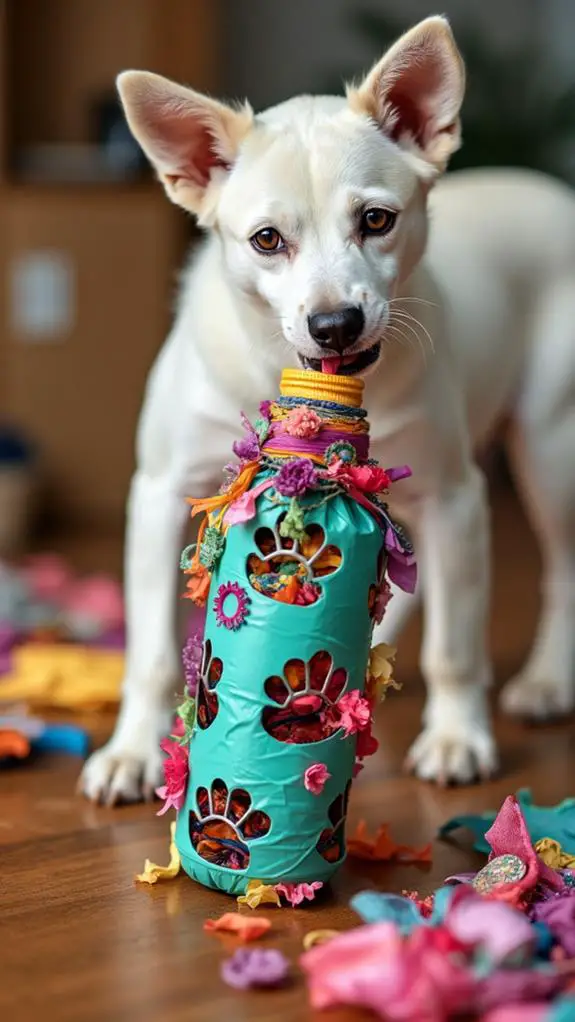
{"x": 293, "y": 561}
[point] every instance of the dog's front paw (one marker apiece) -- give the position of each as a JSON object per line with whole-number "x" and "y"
{"x": 129, "y": 767}
{"x": 535, "y": 698}
{"x": 114, "y": 774}
{"x": 456, "y": 745}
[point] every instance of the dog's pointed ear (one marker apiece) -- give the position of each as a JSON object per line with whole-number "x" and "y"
{"x": 190, "y": 139}
{"x": 415, "y": 93}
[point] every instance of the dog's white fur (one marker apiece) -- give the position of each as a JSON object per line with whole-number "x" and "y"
{"x": 495, "y": 293}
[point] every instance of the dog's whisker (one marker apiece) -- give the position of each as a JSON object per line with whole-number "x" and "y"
{"x": 407, "y": 317}
{"x": 413, "y": 298}
{"x": 395, "y": 334}
{"x": 405, "y": 322}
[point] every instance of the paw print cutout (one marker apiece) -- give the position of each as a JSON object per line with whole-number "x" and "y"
{"x": 210, "y": 674}
{"x": 304, "y": 697}
{"x": 225, "y": 824}
{"x": 331, "y": 844}
{"x": 286, "y": 569}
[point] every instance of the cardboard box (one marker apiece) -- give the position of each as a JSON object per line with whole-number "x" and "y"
{"x": 88, "y": 286}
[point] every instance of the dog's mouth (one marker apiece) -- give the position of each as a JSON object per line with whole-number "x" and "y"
{"x": 343, "y": 365}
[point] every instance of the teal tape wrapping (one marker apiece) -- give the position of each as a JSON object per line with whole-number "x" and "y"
{"x": 259, "y": 773}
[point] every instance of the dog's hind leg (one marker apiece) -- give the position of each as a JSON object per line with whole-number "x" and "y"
{"x": 542, "y": 448}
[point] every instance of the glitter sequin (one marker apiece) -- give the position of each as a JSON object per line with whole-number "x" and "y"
{"x": 505, "y": 869}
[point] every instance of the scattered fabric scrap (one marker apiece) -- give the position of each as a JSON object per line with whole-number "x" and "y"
{"x": 553, "y": 855}
{"x": 382, "y": 847}
{"x": 258, "y": 893}
{"x": 152, "y": 873}
{"x": 13, "y": 744}
{"x": 498, "y": 944}
{"x": 315, "y": 937}
{"x": 296, "y": 894}
{"x": 514, "y": 869}
{"x": 255, "y": 967}
{"x": 247, "y": 928}
{"x": 555, "y": 822}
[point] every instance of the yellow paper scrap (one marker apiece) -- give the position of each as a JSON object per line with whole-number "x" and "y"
{"x": 152, "y": 873}
{"x": 258, "y": 893}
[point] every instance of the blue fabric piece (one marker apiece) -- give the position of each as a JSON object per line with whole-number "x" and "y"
{"x": 374, "y": 907}
{"x": 545, "y": 940}
{"x": 441, "y": 902}
{"x": 62, "y": 738}
{"x": 556, "y": 822}
{"x": 563, "y": 1010}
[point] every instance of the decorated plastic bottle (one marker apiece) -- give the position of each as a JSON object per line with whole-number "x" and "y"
{"x": 293, "y": 560}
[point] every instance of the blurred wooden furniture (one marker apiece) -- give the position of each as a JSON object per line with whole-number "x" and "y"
{"x": 101, "y": 257}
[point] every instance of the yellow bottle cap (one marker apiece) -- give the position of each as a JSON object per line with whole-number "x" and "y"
{"x": 344, "y": 390}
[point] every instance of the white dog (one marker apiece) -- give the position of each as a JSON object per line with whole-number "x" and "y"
{"x": 317, "y": 218}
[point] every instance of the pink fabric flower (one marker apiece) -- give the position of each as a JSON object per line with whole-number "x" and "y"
{"x": 173, "y": 791}
{"x": 369, "y": 478}
{"x": 296, "y": 893}
{"x": 303, "y": 422}
{"x": 353, "y": 712}
{"x": 399, "y": 979}
{"x": 315, "y": 778}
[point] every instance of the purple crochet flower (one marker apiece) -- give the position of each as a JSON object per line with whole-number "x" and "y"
{"x": 295, "y": 477}
{"x": 248, "y": 448}
{"x": 192, "y": 661}
{"x": 265, "y": 409}
{"x": 255, "y": 967}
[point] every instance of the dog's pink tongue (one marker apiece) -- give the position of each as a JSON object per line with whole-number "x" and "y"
{"x": 330, "y": 365}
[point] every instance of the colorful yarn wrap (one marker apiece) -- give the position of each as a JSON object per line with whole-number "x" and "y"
{"x": 293, "y": 560}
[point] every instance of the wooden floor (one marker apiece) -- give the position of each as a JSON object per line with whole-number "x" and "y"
{"x": 82, "y": 943}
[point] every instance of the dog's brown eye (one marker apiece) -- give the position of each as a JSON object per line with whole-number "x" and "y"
{"x": 377, "y": 221}
{"x": 268, "y": 240}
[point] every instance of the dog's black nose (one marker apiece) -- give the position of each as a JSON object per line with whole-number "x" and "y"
{"x": 337, "y": 330}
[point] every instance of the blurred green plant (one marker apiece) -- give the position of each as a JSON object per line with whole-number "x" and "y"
{"x": 514, "y": 114}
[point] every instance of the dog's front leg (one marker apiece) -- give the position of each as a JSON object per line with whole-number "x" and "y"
{"x": 457, "y": 743}
{"x": 129, "y": 766}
